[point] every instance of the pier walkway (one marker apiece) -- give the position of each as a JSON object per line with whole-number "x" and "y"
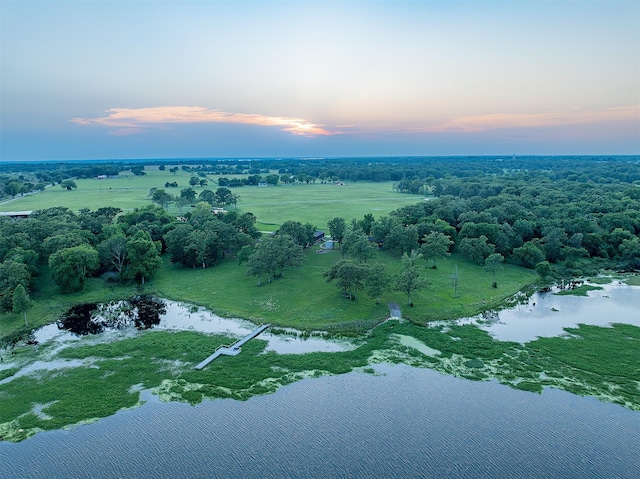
{"x": 235, "y": 348}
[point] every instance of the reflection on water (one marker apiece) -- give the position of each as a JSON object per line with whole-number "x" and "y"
{"x": 403, "y": 422}
{"x": 175, "y": 317}
{"x": 546, "y": 314}
{"x": 181, "y": 317}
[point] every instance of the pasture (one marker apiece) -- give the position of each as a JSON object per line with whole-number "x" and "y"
{"x": 314, "y": 203}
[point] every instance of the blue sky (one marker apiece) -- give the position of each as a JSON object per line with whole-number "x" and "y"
{"x": 143, "y": 79}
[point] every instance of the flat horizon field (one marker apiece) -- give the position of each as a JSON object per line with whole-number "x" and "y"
{"x": 273, "y": 205}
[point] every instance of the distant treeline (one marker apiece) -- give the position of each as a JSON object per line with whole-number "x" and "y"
{"x": 413, "y": 175}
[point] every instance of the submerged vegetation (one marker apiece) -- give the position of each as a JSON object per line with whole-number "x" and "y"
{"x": 108, "y": 377}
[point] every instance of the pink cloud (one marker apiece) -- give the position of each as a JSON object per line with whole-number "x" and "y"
{"x": 129, "y": 121}
{"x": 478, "y": 123}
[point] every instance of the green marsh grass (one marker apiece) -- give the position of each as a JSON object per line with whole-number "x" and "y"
{"x": 581, "y": 290}
{"x": 590, "y": 361}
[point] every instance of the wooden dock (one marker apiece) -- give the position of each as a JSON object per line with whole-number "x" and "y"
{"x": 235, "y": 348}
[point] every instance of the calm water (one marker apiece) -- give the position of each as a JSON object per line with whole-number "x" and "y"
{"x": 404, "y": 422}
{"x": 546, "y": 314}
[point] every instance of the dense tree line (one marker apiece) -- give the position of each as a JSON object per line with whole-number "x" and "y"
{"x": 527, "y": 218}
{"x": 413, "y": 173}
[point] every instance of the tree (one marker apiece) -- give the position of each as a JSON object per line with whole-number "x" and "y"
{"x": 302, "y": 235}
{"x": 272, "y": 179}
{"x": 194, "y": 181}
{"x": 455, "y": 281}
{"x": 21, "y": 302}
{"x": 65, "y": 239}
{"x": 357, "y": 245}
{"x": 271, "y": 256}
{"x": 244, "y": 253}
{"x": 233, "y": 200}
{"x": 543, "y": 268}
{"x": 529, "y": 254}
{"x": 377, "y": 281}
{"x": 181, "y": 202}
{"x": 176, "y": 240}
{"x": 13, "y": 188}
{"x": 337, "y": 228}
{"x": 402, "y": 239}
{"x": 143, "y": 256}
{"x": 492, "y": 264}
{"x": 552, "y": 240}
{"x": 207, "y": 196}
{"x": 476, "y": 249}
{"x": 113, "y": 251}
{"x": 435, "y": 246}
{"x": 70, "y": 267}
{"x": 630, "y": 251}
{"x": 161, "y": 198}
{"x": 188, "y": 194}
{"x": 223, "y": 195}
{"x": 349, "y": 275}
{"x": 382, "y": 227}
{"x": 68, "y": 185}
{"x": 409, "y": 279}
{"x": 367, "y": 223}
{"x": 12, "y": 274}
{"x": 27, "y": 256}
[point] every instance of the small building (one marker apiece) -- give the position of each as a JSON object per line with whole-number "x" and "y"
{"x": 318, "y": 236}
{"x": 16, "y": 214}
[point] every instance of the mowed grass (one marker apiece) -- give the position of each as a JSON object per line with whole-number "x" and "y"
{"x": 314, "y": 203}
{"x": 303, "y": 299}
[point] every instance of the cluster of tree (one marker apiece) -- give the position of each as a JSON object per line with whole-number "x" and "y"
{"x": 12, "y": 186}
{"x": 525, "y": 218}
{"x": 271, "y": 255}
{"x": 352, "y": 275}
{"x": 206, "y": 238}
{"x": 415, "y": 174}
{"x": 188, "y": 197}
{"x": 23, "y": 178}
{"x": 76, "y": 246}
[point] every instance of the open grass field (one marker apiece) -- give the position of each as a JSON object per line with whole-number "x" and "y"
{"x": 301, "y": 298}
{"x": 272, "y": 206}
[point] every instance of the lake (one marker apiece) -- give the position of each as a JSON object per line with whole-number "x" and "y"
{"x": 399, "y": 422}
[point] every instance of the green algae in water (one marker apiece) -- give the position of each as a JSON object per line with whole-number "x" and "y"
{"x": 592, "y": 360}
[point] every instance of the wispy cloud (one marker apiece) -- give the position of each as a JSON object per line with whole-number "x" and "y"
{"x": 131, "y": 121}
{"x": 479, "y": 123}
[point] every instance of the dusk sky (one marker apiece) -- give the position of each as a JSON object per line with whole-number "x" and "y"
{"x": 168, "y": 79}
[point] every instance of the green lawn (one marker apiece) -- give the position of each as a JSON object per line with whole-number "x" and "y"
{"x": 303, "y": 299}
{"x": 314, "y": 203}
